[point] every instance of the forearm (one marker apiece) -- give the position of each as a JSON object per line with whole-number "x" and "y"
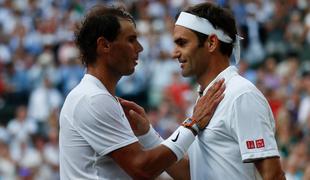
{"x": 142, "y": 163}
{"x": 270, "y": 169}
{"x": 176, "y": 145}
{"x": 180, "y": 170}
{"x": 152, "y": 163}
{"x": 273, "y": 175}
{"x": 155, "y": 165}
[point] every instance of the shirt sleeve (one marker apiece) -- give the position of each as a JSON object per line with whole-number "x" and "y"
{"x": 102, "y": 122}
{"x": 254, "y": 127}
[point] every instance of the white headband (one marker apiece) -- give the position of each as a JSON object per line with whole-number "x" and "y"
{"x": 202, "y": 25}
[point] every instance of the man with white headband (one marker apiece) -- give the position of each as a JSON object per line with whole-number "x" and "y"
{"x": 239, "y": 142}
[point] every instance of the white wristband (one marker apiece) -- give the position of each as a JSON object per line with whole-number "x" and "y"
{"x": 180, "y": 141}
{"x": 150, "y": 139}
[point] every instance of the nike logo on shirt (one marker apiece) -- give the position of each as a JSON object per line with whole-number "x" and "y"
{"x": 176, "y": 138}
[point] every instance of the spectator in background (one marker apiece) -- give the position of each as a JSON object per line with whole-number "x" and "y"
{"x": 275, "y": 27}
{"x": 22, "y": 127}
{"x": 246, "y": 72}
{"x": 307, "y": 33}
{"x": 297, "y": 161}
{"x": 254, "y": 34}
{"x": 162, "y": 71}
{"x": 304, "y": 109}
{"x": 70, "y": 69}
{"x": 7, "y": 164}
{"x": 16, "y": 85}
{"x": 177, "y": 91}
{"x": 43, "y": 101}
{"x": 44, "y": 67}
{"x": 51, "y": 153}
{"x": 294, "y": 32}
{"x": 28, "y": 158}
{"x": 307, "y": 173}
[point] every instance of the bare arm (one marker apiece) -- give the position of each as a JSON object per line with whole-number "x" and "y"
{"x": 180, "y": 170}
{"x": 270, "y": 168}
{"x": 140, "y": 164}
{"x": 149, "y": 164}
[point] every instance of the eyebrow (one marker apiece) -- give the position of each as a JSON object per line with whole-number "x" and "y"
{"x": 133, "y": 35}
{"x": 179, "y": 40}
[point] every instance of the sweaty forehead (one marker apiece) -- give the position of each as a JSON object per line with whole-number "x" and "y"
{"x": 127, "y": 28}
{"x": 182, "y": 32}
{"x": 127, "y": 24}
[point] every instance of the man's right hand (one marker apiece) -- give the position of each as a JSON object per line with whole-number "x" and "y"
{"x": 136, "y": 116}
{"x": 207, "y": 104}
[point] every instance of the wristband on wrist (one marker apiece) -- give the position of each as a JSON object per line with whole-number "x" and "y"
{"x": 192, "y": 125}
{"x": 150, "y": 139}
{"x": 179, "y": 141}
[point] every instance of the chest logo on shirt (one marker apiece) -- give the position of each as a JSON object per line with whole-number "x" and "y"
{"x": 258, "y": 143}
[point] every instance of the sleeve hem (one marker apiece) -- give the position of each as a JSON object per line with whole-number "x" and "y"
{"x": 250, "y": 157}
{"x": 117, "y": 146}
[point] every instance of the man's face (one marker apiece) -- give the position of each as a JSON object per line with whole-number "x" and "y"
{"x": 192, "y": 58}
{"x": 306, "y": 83}
{"x": 125, "y": 50}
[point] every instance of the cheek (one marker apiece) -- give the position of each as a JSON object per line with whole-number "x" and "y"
{"x": 192, "y": 58}
{"x": 196, "y": 61}
{"x": 126, "y": 51}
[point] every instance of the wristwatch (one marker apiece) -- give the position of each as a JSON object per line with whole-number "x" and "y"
{"x": 192, "y": 125}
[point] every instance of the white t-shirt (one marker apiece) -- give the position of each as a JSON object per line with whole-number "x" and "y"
{"x": 92, "y": 124}
{"x": 241, "y": 130}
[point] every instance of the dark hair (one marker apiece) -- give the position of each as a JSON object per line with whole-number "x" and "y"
{"x": 101, "y": 21}
{"x": 220, "y": 18}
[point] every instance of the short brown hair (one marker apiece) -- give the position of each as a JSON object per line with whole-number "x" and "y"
{"x": 101, "y": 21}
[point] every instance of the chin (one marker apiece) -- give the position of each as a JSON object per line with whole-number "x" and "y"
{"x": 129, "y": 72}
{"x": 185, "y": 74}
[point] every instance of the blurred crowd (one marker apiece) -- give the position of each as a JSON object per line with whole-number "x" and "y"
{"x": 39, "y": 65}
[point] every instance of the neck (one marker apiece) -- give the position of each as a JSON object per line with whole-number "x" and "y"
{"x": 107, "y": 78}
{"x": 217, "y": 65}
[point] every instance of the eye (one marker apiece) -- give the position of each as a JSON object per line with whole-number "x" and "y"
{"x": 132, "y": 39}
{"x": 180, "y": 42}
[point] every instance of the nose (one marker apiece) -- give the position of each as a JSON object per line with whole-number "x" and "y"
{"x": 139, "y": 48}
{"x": 176, "y": 54}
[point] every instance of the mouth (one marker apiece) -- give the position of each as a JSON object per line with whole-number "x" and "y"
{"x": 135, "y": 61}
{"x": 182, "y": 63}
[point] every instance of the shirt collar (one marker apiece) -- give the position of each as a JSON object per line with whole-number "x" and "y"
{"x": 227, "y": 74}
{"x": 95, "y": 80}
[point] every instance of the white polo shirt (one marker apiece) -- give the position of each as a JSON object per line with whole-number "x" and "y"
{"x": 92, "y": 124}
{"x": 242, "y": 129}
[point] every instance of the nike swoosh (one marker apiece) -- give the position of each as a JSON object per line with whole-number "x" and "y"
{"x": 176, "y": 138}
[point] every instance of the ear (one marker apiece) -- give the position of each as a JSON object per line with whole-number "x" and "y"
{"x": 103, "y": 45}
{"x": 212, "y": 42}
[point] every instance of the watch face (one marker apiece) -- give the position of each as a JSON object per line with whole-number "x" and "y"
{"x": 188, "y": 121}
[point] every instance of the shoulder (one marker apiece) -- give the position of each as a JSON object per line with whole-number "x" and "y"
{"x": 88, "y": 89}
{"x": 87, "y": 98}
{"x": 238, "y": 86}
